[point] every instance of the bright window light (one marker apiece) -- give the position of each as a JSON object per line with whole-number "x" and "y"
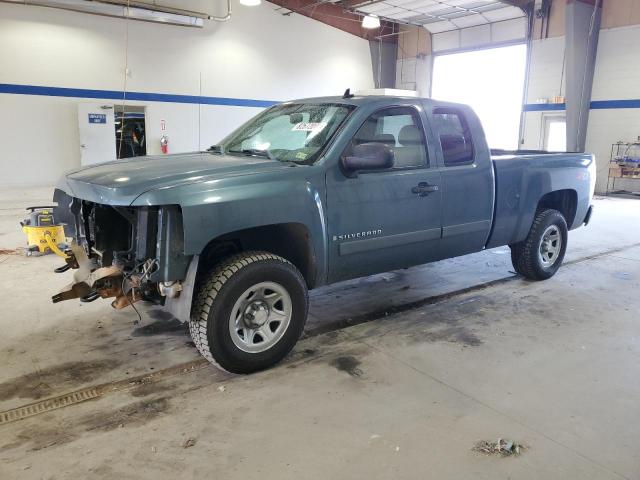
{"x": 556, "y": 135}
{"x": 491, "y": 81}
{"x": 250, "y": 3}
{"x": 370, "y": 21}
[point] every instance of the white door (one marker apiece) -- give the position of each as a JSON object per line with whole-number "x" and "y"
{"x": 97, "y": 133}
{"x": 555, "y": 133}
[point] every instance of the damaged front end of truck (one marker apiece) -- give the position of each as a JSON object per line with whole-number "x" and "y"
{"x": 122, "y": 252}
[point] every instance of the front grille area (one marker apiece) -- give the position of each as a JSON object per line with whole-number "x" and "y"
{"x": 111, "y": 235}
{"x": 111, "y": 232}
{"x": 126, "y": 236}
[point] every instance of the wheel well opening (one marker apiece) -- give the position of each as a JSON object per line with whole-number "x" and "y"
{"x": 288, "y": 240}
{"x": 565, "y": 201}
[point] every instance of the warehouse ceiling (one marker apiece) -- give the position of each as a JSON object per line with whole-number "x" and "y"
{"x": 338, "y": 14}
{"x": 444, "y": 15}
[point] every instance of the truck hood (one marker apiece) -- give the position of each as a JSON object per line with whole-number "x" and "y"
{"x": 122, "y": 181}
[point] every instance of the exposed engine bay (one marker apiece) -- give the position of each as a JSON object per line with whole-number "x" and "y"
{"x": 130, "y": 253}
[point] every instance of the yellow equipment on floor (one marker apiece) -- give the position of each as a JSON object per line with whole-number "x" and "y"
{"x": 43, "y": 235}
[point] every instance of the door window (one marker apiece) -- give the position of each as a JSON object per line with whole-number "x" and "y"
{"x": 401, "y": 130}
{"x": 455, "y": 137}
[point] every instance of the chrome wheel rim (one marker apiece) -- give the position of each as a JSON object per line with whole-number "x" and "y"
{"x": 260, "y": 317}
{"x": 550, "y": 246}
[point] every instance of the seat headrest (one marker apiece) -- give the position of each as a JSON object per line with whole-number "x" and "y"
{"x": 450, "y": 142}
{"x": 386, "y": 138}
{"x": 409, "y": 135}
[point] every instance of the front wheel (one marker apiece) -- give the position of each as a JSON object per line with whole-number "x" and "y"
{"x": 540, "y": 255}
{"x": 249, "y": 312}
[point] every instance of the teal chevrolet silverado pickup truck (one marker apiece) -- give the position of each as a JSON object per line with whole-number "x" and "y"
{"x": 307, "y": 193}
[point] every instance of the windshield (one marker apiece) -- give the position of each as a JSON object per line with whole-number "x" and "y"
{"x": 295, "y": 132}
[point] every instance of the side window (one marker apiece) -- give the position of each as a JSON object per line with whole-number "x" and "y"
{"x": 455, "y": 137}
{"x": 401, "y": 130}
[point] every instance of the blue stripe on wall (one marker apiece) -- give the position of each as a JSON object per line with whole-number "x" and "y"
{"x": 136, "y": 96}
{"x": 595, "y": 105}
{"x": 543, "y": 107}
{"x": 240, "y": 102}
{"x": 604, "y": 104}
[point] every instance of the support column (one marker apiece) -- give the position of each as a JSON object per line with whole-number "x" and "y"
{"x": 383, "y": 62}
{"x": 582, "y": 21}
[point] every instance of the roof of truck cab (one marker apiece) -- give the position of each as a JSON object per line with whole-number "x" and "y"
{"x": 358, "y": 100}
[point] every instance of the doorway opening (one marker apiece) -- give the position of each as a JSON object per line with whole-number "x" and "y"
{"x": 130, "y": 131}
{"x": 555, "y": 133}
{"x": 491, "y": 81}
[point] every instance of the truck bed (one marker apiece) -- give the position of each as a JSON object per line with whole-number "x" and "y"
{"x": 499, "y": 152}
{"x": 522, "y": 178}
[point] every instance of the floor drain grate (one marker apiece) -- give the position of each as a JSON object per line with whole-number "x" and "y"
{"x": 48, "y": 404}
{"x": 96, "y": 391}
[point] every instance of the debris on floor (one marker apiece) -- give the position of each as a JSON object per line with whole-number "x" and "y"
{"x": 189, "y": 442}
{"x": 502, "y": 447}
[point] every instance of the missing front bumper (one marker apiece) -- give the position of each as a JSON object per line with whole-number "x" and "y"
{"x": 90, "y": 283}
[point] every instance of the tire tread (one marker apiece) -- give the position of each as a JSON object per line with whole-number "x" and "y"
{"x": 209, "y": 289}
{"x": 524, "y": 254}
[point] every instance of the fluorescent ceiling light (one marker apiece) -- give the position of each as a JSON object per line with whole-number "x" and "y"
{"x": 188, "y": 19}
{"x": 250, "y": 3}
{"x": 368, "y": 21}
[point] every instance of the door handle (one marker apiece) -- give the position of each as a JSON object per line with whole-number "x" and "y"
{"x": 423, "y": 189}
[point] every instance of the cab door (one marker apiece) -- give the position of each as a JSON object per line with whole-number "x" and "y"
{"x": 467, "y": 180}
{"x": 380, "y": 220}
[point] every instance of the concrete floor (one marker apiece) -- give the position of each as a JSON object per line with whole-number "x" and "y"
{"x": 398, "y": 375}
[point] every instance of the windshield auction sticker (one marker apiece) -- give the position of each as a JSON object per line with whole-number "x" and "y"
{"x": 308, "y": 126}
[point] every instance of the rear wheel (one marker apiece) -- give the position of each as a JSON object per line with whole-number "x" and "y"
{"x": 540, "y": 255}
{"x": 249, "y": 312}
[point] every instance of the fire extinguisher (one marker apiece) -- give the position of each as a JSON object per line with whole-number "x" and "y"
{"x": 164, "y": 144}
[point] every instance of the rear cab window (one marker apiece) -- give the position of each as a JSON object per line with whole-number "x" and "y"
{"x": 454, "y": 135}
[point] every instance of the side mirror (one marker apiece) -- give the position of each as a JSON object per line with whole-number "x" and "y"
{"x": 368, "y": 156}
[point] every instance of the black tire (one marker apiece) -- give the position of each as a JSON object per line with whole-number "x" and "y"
{"x": 217, "y": 295}
{"x": 526, "y": 256}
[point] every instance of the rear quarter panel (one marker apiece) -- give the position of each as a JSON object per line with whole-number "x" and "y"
{"x": 522, "y": 180}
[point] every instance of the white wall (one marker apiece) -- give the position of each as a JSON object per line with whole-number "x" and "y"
{"x": 258, "y": 54}
{"x": 415, "y": 74}
{"x": 545, "y": 75}
{"x": 617, "y": 77}
{"x": 545, "y": 81}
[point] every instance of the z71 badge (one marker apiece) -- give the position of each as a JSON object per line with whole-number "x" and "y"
{"x": 350, "y": 236}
